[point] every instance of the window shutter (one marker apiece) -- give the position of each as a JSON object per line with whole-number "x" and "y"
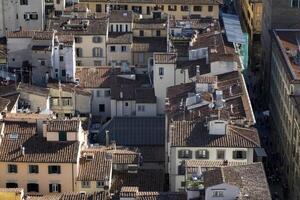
{"x": 49, "y": 170}
{"x": 94, "y": 52}
{"x": 234, "y": 154}
{"x": 59, "y": 187}
{"x": 58, "y": 169}
{"x": 244, "y": 154}
{"x": 50, "y": 188}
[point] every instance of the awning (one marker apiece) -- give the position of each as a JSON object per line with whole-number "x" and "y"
{"x": 260, "y": 152}
{"x": 233, "y": 29}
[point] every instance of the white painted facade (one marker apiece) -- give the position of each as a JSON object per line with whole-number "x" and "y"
{"x": 99, "y": 96}
{"x": 18, "y": 51}
{"x": 2, "y": 27}
{"x": 131, "y": 108}
{"x": 59, "y": 5}
{"x": 222, "y": 191}
{"x": 175, "y": 161}
{"x": 120, "y": 27}
{"x": 25, "y": 15}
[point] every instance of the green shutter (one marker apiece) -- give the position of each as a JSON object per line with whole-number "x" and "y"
{"x": 50, "y": 188}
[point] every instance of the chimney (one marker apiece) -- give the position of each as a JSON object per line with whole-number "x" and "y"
{"x": 231, "y": 108}
{"x": 107, "y": 138}
{"x": 23, "y": 150}
{"x": 197, "y": 70}
{"x": 121, "y": 95}
{"x": 230, "y": 91}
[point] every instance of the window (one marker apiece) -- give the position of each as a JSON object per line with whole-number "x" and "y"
{"x": 117, "y": 28}
{"x": 26, "y": 16}
{"x": 111, "y": 28}
{"x": 172, "y": 7}
{"x": 62, "y": 136}
{"x": 78, "y": 63}
{"x": 54, "y": 101}
{"x": 218, "y": 193}
{"x": 97, "y": 52}
{"x": 54, "y": 187}
{"x": 181, "y": 169}
{"x": 239, "y": 154}
{"x": 107, "y": 93}
{"x": 161, "y": 71}
{"x": 85, "y": 184}
{"x": 141, "y": 108}
{"x": 202, "y": 154}
{"x": 97, "y": 39}
{"x": 137, "y": 9}
{"x": 43, "y": 62}
{"x": 126, "y": 28}
{"x": 57, "y": 1}
{"x": 141, "y": 33}
{"x": 158, "y": 33}
{"x": 124, "y": 48}
{"x": 185, "y": 153}
{"x": 23, "y": 2}
{"x": 126, "y": 104}
{"x": 221, "y": 154}
{"x": 148, "y": 10}
{"x": 197, "y": 8}
{"x": 32, "y": 187}
{"x": 54, "y": 169}
{"x": 12, "y": 168}
{"x": 210, "y": 8}
{"x": 140, "y": 58}
{"x": 184, "y": 8}
{"x": 33, "y": 169}
{"x": 295, "y": 3}
{"x": 112, "y": 48}
{"x": 67, "y": 101}
{"x": 34, "y": 16}
{"x": 63, "y": 72}
{"x": 79, "y": 52}
{"x": 182, "y": 184}
{"x": 121, "y": 28}
{"x": 11, "y": 185}
{"x": 99, "y": 184}
{"x": 98, "y": 8}
{"x": 97, "y": 63}
{"x": 78, "y": 39}
{"x": 61, "y": 58}
{"x": 98, "y": 93}
{"x": 101, "y": 108}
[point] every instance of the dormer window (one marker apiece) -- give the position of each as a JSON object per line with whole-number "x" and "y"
{"x": 62, "y": 136}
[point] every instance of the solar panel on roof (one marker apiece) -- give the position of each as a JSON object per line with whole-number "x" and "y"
{"x": 233, "y": 29}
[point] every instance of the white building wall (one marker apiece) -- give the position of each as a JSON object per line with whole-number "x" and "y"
{"x": 10, "y": 11}
{"x": 150, "y": 109}
{"x": 61, "y": 6}
{"x": 2, "y": 29}
{"x": 162, "y": 82}
{"x": 113, "y": 27}
{"x": 19, "y": 50}
{"x": 229, "y": 191}
{"x": 34, "y": 6}
{"x": 101, "y": 99}
{"x": 122, "y": 108}
{"x": 175, "y": 161}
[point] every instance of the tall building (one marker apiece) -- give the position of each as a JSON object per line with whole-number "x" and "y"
{"x": 276, "y": 14}
{"x": 284, "y": 105}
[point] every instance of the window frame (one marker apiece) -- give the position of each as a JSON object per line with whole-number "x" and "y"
{"x": 200, "y": 156}
{"x": 186, "y": 155}
{"x": 224, "y": 154}
{"x": 210, "y": 8}
{"x": 85, "y": 184}
{"x": 36, "y": 184}
{"x": 197, "y": 8}
{"x": 102, "y": 108}
{"x": 161, "y": 71}
{"x": 12, "y": 168}
{"x": 57, "y": 171}
{"x": 31, "y": 167}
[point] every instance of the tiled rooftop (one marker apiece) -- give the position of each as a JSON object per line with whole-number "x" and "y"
{"x": 193, "y": 2}
{"x": 63, "y": 125}
{"x": 93, "y": 77}
{"x": 149, "y": 44}
{"x": 120, "y": 16}
{"x": 251, "y": 180}
{"x": 165, "y": 58}
{"x": 96, "y": 169}
{"x": 119, "y": 38}
{"x": 71, "y": 196}
{"x": 37, "y": 148}
{"x": 195, "y": 134}
{"x": 3, "y": 103}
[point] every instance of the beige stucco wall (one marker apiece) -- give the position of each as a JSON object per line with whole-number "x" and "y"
{"x": 150, "y": 33}
{"x": 178, "y": 13}
{"x": 35, "y": 101}
{"x": 118, "y": 55}
{"x": 87, "y": 46}
{"x": 66, "y": 178}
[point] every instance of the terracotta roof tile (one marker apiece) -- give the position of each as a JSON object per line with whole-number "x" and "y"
{"x": 37, "y": 148}
{"x": 119, "y": 38}
{"x": 120, "y": 16}
{"x": 63, "y": 125}
{"x": 165, "y": 58}
{"x": 93, "y": 77}
{"x": 3, "y": 103}
{"x": 188, "y": 133}
{"x": 95, "y": 169}
{"x": 250, "y": 179}
{"x": 149, "y": 44}
{"x": 193, "y": 2}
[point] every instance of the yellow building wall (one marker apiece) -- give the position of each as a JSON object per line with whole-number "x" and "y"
{"x": 10, "y": 196}
{"x": 87, "y": 46}
{"x": 66, "y": 178}
{"x": 178, "y": 14}
{"x": 119, "y": 56}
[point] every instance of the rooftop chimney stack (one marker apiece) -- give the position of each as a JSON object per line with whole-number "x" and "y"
{"x": 23, "y": 150}
{"x": 107, "y": 138}
{"x": 198, "y": 70}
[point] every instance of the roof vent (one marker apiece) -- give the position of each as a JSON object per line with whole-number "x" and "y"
{"x": 219, "y": 99}
{"x": 125, "y": 14}
{"x": 13, "y": 136}
{"x": 217, "y": 127}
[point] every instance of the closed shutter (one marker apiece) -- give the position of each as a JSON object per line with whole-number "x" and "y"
{"x": 49, "y": 170}
{"x": 244, "y": 154}
{"x": 234, "y": 154}
{"x": 59, "y": 187}
{"x": 50, "y": 188}
{"x": 58, "y": 169}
